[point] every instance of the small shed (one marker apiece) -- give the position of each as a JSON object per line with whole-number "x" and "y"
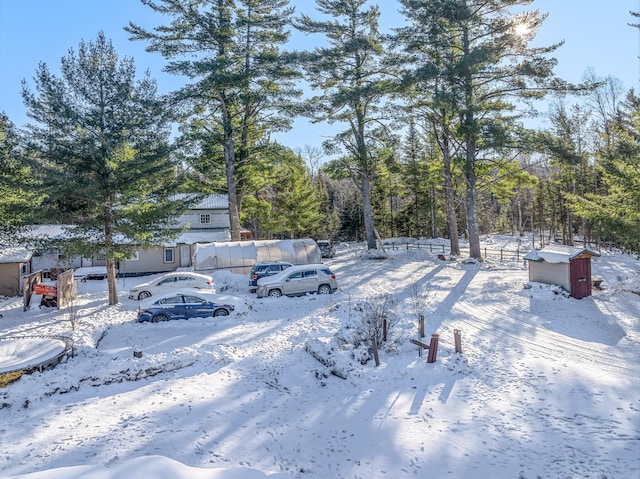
{"x": 15, "y": 262}
{"x": 566, "y": 266}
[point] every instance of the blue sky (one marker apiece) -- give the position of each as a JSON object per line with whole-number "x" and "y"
{"x": 595, "y": 32}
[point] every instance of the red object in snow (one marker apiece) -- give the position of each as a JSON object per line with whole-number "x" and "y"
{"x": 45, "y": 290}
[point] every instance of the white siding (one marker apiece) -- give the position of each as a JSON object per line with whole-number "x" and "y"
{"x": 550, "y": 273}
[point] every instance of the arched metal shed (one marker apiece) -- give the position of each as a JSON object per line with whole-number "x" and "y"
{"x": 240, "y": 256}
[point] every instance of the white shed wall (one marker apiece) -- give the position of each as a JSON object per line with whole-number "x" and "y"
{"x": 550, "y": 273}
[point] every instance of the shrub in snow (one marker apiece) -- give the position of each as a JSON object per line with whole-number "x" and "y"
{"x": 377, "y": 314}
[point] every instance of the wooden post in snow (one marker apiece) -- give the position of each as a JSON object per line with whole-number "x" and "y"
{"x": 457, "y": 339}
{"x": 433, "y": 348}
{"x": 375, "y": 351}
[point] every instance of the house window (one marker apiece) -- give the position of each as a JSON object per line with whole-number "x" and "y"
{"x": 205, "y": 219}
{"x": 168, "y": 255}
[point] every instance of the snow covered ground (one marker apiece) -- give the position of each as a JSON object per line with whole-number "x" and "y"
{"x": 546, "y": 387}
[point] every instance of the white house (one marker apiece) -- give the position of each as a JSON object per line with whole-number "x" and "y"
{"x": 206, "y": 222}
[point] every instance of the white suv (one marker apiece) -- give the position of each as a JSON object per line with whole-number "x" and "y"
{"x": 298, "y": 280}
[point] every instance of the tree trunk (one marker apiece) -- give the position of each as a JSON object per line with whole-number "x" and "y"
{"x": 450, "y": 205}
{"x": 472, "y": 214}
{"x": 112, "y": 279}
{"x": 469, "y": 167}
{"x": 367, "y": 211}
{"x": 230, "y": 168}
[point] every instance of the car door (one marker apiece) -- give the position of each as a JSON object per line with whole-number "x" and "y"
{"x": 293, "y": 284}
{"x": 174, "y": 307}
{"x": 195, "y": 307}
{"x": 166, "y": 284}
{"x": 310, "y": 280}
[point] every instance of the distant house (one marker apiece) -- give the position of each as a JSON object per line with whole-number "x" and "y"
{"x": 15, "y": 262}
{"x": 206, "y": 222}
{"x": 566, "y": 266}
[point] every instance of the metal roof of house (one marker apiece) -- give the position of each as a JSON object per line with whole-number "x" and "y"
{"x": 38, "y": 232}
{"x": 556, "y": 253}
{"x": 210, "y": 202}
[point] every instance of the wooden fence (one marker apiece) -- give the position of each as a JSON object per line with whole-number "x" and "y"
{"x": 498, "y": 254}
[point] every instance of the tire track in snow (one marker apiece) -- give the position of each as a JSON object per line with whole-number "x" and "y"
{"x": 494, "y": 320}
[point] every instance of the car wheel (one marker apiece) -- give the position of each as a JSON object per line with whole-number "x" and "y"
{"x": 221, "y": 312}
{"x": 144, "y": 294}
{"x": 275, "y": 293}
{"x": 324, "y": 289}
{"x": 159, "y": 317}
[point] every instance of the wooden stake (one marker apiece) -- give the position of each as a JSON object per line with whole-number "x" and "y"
{"x": 375, "y": 351}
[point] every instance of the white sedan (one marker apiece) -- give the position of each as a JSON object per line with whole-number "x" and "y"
{"x": 171, "y": 281}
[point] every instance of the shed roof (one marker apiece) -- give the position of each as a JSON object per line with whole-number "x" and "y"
{"x": 15, "y": 254}
{"x": 556, "y": 253}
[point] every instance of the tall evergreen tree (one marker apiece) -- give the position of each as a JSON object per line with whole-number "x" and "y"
{"x": 286, "y": 202}
{"x": 488, "y": 65}
{"x": 351, "y": 79}
{"x": 615, "y": 211}
{"x": 100, "y": 144}
{"x": 17, "y": 198}
{"x": 242, "y": 81}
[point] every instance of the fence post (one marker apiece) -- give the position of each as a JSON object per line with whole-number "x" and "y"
{"x": 433, "y": 348}
{"x": 384, "y": 330}
{"x": 457, "y": 339}
{"x": 421, "y": 326}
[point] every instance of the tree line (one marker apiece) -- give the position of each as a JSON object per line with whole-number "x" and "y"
{"x": 431, "y": 137}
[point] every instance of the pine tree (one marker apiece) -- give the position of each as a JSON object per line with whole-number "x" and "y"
{"x": 477, "y": 53}
{"x": 17, "y": 197}
{"x": 243, "y": 83}
{"x": 101, "y": 152}
{"x": 351, "y": 79}
{"x": 615, "y": 211}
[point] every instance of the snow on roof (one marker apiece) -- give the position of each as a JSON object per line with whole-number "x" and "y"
{"x": 556, "y": 253}
{"x": 200, "y": 236}
{"x": 15, "y": 254}
{"x": 39, "y": 232}
{"x": 210, "y": 202}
